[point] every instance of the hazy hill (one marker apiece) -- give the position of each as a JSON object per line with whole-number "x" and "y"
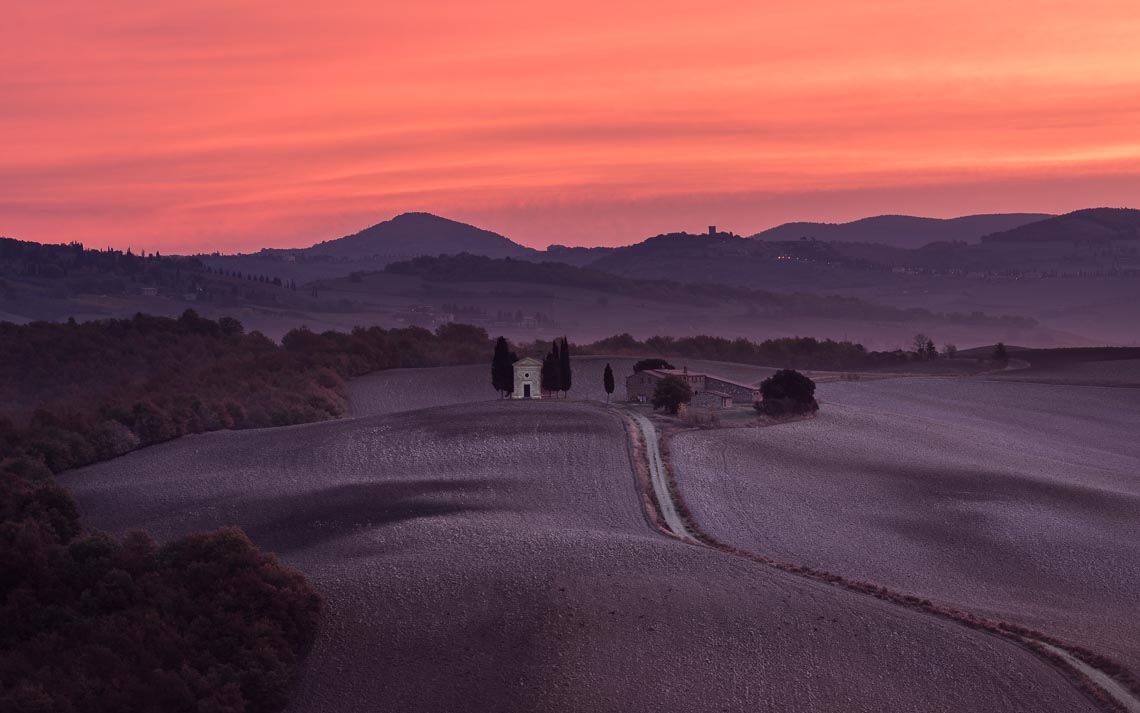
{"x": 472, "y": 268}
{"x": 413, "y": 234}
{"x": 903, "y": 230}
{"x": 796, "y": 265}
{"x": 1096, "y": 224}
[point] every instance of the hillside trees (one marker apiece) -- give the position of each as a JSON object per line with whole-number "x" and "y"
{"x": 791, "y": 352}
{"x": 81, "y": 611}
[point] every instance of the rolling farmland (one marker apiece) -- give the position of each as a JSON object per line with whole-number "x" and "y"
{"x": 1017, "y": 501}
{"x": 493, "y": 556}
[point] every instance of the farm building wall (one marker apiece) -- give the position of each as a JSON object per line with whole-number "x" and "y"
{"x": 740, "y": 393}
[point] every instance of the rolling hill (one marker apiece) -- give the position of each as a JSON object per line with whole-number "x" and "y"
{"x": 494, "y": 556}
{"x": 1090, "y": 224}
{"x": 904, "y": 231}
{"x": 413, "y": 234}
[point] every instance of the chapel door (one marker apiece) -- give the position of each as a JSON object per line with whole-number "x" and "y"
{"x": 526, "y": 391}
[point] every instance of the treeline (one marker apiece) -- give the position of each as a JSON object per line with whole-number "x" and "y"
{"x": 76, "y": 269}
{"x": 76, "y": 393}
{"x": 92, "y": 623}
{"x": 761, "y": 303}
{"x": 786, "y": 352}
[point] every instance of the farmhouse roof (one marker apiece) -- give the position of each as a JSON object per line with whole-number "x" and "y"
{"x": 662, "y": 373}
{"x": 741, "y": 384}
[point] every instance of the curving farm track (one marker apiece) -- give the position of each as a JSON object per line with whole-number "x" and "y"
{"x": 494, "y": 556}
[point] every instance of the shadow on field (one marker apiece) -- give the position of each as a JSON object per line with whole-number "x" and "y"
{"x": 307, "y": 519}
{"x": 932, "y": 485}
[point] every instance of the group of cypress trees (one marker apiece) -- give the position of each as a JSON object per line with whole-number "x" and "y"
{"x": 556, "y": 373}
{"x": 557, "y": 376}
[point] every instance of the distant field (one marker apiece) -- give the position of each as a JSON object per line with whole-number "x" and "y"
{"x": 409, "y": 389}
{"x": 493, "y": 557}
{"x": 1019, "y": 501}
{"x": 1120, "y": 372}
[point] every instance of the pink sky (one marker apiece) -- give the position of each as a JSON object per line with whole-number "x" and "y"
{"x": 246, "y": 123}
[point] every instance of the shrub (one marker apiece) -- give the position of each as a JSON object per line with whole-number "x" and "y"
{"x": 787, "y": 393}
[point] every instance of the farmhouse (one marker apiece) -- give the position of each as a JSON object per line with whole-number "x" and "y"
{"x": 528, "y": 379}
{"x": 708, "y": 389}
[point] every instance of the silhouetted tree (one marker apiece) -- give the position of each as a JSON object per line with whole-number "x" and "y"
{"x": 502, "y": 368}
{"x": 608, "y": 381}
{"x": 785, "y": 393}
{"x": 931, "y": 350}
{"x": 670, "y": 393}
{"x": 651, "y": 363}
{"x": 564, "y": 377}
{"x": 919, "y": 343}
{"x": 555, "y": 369}
{"x": 950, "y": 350}
{"x": 550, "y": 381}
{"x": 1001, "y": 354}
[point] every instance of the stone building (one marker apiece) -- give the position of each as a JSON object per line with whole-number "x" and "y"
{"x": 640, "y": 386}
{"x": 528, "y": 379}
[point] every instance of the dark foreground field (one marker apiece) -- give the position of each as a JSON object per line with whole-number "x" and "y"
{"x": 1016, "y": 500}
{"x": 493, "y": 557}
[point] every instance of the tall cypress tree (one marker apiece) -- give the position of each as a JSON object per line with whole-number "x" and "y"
{"x": 550, "y": 372}
{"x": 564, "y": 379}
{"x": 502, "y": 368}
{"x": 555, "y": 367}
{"x": 608, "y": 381}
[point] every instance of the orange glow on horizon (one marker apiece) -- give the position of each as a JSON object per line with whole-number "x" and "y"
{"x": 236, "y": 125}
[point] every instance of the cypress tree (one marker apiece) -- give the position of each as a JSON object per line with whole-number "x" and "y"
{"x": 502, "y": 368}
{"x": 564, "y": 379}
{"x": 556, "y": 367}
{"x": 550, "y": 372}
{"x": 608, "y": 381}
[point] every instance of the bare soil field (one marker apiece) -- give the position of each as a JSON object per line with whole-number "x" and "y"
{"x": 493, "y": 556}
{"x": 408, "y": 389}
{"x": 1018, "y": 501}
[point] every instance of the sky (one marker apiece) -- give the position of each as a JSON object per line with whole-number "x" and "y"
{"x": 232, "y": 125}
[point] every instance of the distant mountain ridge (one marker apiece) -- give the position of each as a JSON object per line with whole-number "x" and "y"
{"x": 1096, "y": 224}
{"x": 414, "y": 234}
{"x": 904, "y": 231}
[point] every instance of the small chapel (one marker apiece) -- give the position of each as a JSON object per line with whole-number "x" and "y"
{"x": 528, "y": 379}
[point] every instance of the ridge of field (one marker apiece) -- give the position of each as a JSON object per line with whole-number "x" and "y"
{"x": 493, "y": 556}
{"x": 397, "y": 390}
{"x": 1017, "y": 501}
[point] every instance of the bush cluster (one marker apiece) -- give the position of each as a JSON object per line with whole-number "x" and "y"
{"x": 787, "y": 393}
{"x": 94, "y": 624}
